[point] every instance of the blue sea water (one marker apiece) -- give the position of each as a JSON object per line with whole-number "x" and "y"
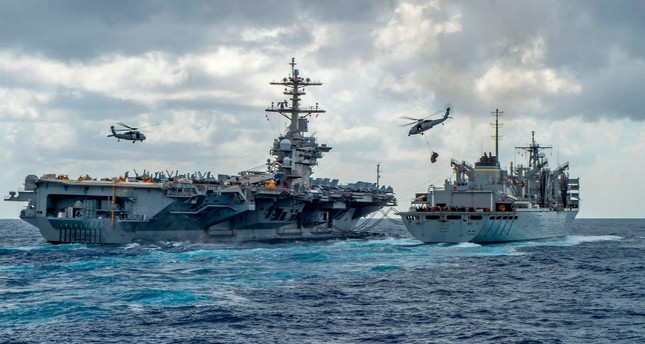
{"x": 588, "y": 287}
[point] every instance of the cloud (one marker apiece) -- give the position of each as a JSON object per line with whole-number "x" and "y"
{"x": 573, "y": 72}
{"x": 529, "y": 85}
{"x": 414, "y": 28}
{"x": 17, "y": 104}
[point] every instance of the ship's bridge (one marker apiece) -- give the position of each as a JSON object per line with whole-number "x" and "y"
{"x": 487, "y": 171}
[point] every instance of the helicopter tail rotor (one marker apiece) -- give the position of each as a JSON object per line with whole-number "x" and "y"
{"x": 449, "y": 109}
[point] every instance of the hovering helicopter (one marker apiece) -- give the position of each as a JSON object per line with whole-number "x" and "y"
{"x": 422, "y": 124}
{"x": 127, "y": 133}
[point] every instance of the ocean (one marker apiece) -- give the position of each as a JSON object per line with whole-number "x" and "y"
{"x": 386, "y": 287}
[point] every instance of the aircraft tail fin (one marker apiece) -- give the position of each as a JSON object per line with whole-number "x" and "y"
{"x": 447, "y": 115}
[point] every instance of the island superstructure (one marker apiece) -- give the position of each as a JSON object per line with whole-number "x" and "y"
{"x": 487, "y": 204}
{"x": 282, "y": 203}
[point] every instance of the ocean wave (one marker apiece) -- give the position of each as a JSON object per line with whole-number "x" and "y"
{"x": 384, "y": 288}
{"x": 576, "y": 239}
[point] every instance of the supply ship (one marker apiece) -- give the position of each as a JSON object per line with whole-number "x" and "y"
{"x": 282, "y": 203}
{"x": 487, "y": 204}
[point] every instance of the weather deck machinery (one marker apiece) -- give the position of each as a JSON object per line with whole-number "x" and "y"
{"x": 486, "y": 204}
{"x": 282, "y": 203}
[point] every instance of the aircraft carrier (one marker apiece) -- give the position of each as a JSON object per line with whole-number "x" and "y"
{"x": 283, "y": 202}
{"x": 487, "y": 204}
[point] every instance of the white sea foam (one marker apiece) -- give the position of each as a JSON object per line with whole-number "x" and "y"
{"x": 228, "y": 297}
{"x": 591, "y": 238}
{"x": 466, "y": 245}
{"x": 136, "y": 307}
{"x": 132, "y": 246}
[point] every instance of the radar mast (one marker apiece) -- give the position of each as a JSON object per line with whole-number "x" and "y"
{"x": 496, "y": 125}
{"x": 296, "y": 154}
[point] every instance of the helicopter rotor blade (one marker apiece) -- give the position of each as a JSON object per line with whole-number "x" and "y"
{"x": 127, "y": 126}
{"x": 423, "y": 118}
{"x": 434, "y": 114}
{"x": 148, "y": 126}
{"x": 417, "y": 120}
{"x": 411, "y": 118}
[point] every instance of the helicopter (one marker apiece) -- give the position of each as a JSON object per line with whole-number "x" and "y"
{"x": 422, "y": 124}
{"x": 127, "y": 133}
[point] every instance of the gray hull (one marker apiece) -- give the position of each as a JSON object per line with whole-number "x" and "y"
{"x": 95, "y": 212}
{"x": 488, "y": 227}
{"x": 101, "y": 231}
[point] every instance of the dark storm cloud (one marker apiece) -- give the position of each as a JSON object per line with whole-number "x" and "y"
{"x": 70, "y": 29}
{"x": 578, "y": 34}
{"x": 578, "y": 41}
{"x": 92, "y": 105}
{"x": 82, "y": 29}
{"x": 587, "y": 57}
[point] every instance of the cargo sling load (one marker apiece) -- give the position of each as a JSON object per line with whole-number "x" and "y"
{"x": 486, "y": 204}
{"x": 282, "y": 203}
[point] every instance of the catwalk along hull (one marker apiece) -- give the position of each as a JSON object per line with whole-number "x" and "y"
{"x": 489, "y": 227}
{"x": 104, "y": 231}
{"x": 281, "y": 203}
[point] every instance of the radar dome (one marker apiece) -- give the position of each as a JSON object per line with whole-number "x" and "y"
{"x": 285, "y": 144}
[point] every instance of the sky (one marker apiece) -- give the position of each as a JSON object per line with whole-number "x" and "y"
{"x": 194, "y": 75}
